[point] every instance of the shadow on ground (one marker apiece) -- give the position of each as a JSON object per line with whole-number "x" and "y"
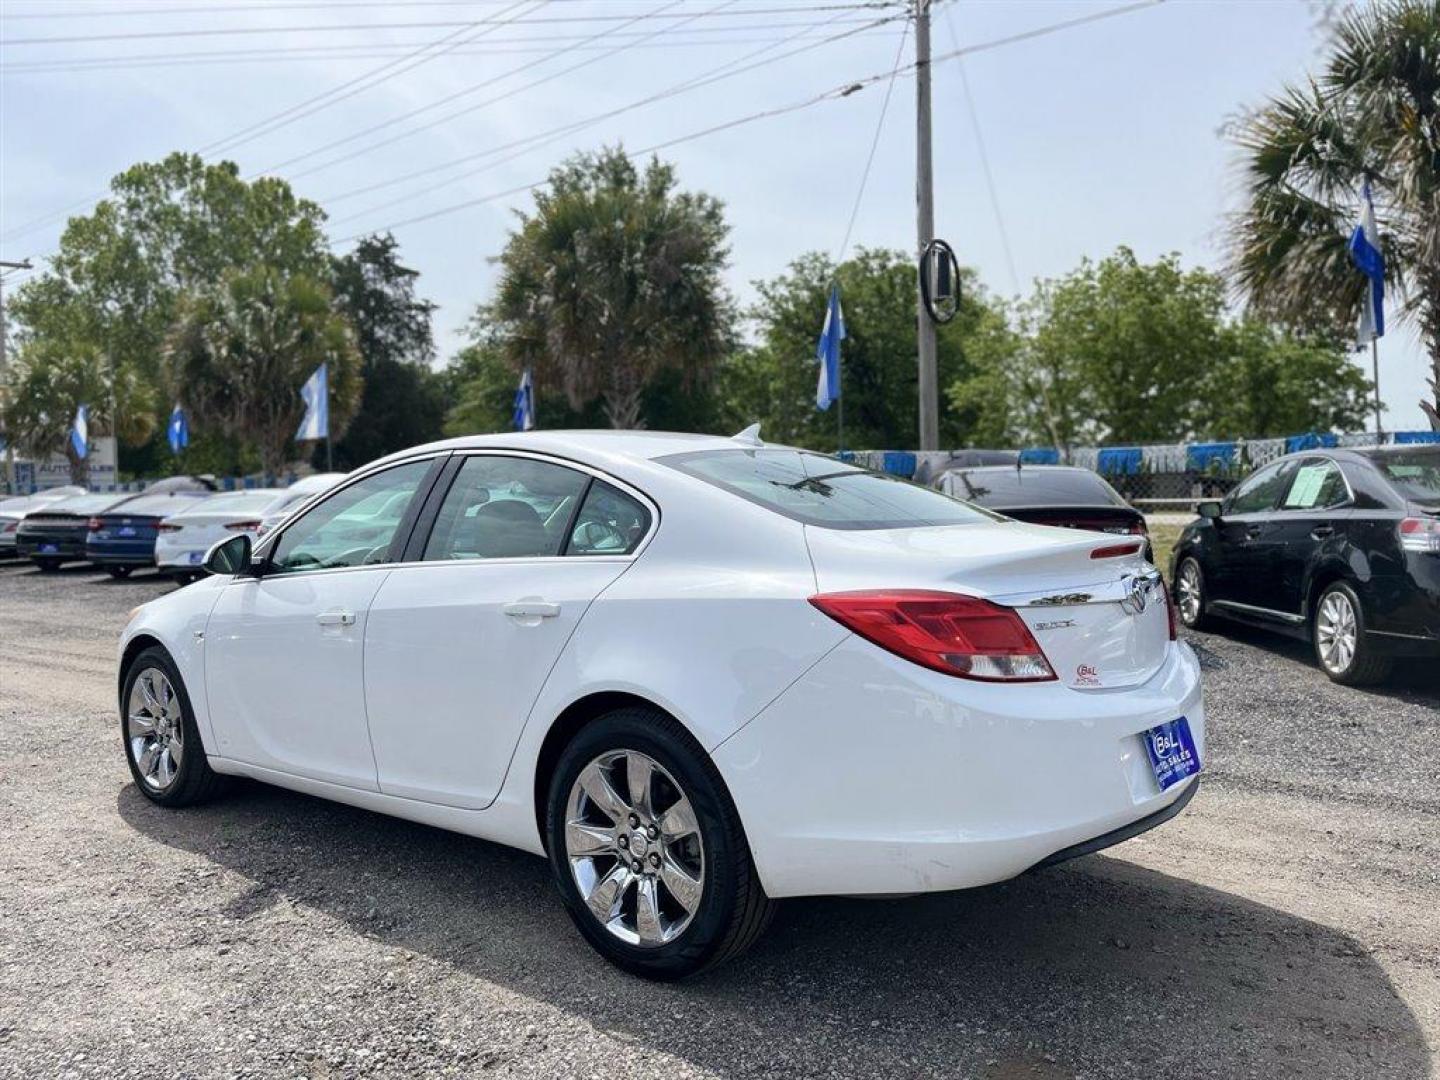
{"x": 1096, "y": 968}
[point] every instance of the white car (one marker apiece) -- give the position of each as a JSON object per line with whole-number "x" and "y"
{"x": 296, "y": 494}
{"x": 699, "y": 674}
{"x": 182, "y": 539}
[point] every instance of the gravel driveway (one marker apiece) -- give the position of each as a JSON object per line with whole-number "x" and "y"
{"x": 1286, "y": 925}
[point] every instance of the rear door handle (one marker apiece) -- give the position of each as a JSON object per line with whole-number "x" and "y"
{"x": 336, "y": 618}
{"x": 1254, "y": 531}
{"x": 530, "y": 609}
{"x": 1320, "y": 532}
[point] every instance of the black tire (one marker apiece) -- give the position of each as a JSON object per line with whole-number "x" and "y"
{"x": 119, "y": 572}
{"x": 48, "y": 566}
{"x": 733, "y": 910}
{"x": 1367, "y": 666}
{"x": 1200, "y": 619}
{"x": 194, "y": 781}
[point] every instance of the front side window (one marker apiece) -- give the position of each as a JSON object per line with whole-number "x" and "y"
{"x": 1315, "y": 485}
{"x": 354, "y": 527}
{"x": 504, "y": 507}
{"x": 819, "y": 490}
{"x": 1262, "y": 491}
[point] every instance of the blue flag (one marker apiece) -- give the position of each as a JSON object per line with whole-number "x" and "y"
{"x": 1365, "y": 254}
{"x": 316, "y": 393}
{"x": 523, "y": 418}
{"x": 80, "y": 432}
{"x": 178, "y": 431}
{"x": 827, "y": 351}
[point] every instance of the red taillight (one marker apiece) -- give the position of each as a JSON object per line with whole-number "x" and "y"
{"x": 11, "y": 527}
{"x": 165, "y": 526}
{"x": 250, "y": 525}
{"x": 959, "y": 635}
{"x": 1170, "y": 612}
{"x": 93, "y": 524}
{"x": 1114, "y": 551}
{"x": 1139, "y": 528}
{"x": 1421, "y": 534}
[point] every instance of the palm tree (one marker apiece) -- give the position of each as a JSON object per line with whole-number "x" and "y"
{"x": 1371, "y": 114}
{"x": 614, "y": 278}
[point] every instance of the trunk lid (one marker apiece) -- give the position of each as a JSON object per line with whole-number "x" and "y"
{"x": 1101, "y": 623}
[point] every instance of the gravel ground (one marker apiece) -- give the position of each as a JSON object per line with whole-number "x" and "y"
{"x": 1284, "y": 926}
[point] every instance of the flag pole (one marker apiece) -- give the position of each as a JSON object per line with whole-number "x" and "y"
{"x": 839, "y": 412}
{"x": 1375, "y": 364}
{"x": 329, "y": 465}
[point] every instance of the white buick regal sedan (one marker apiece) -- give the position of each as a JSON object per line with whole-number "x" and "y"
{"x": 697, "y": 674}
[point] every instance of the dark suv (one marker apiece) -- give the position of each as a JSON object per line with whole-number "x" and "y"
{"x": 1341, "y": 547}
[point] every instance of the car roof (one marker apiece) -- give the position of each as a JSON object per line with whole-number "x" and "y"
{"x": 637, "y": 445}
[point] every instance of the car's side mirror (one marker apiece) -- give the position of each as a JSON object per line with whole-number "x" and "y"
{"x": 230, "y": 556}
{"x": 1208, "y": 509}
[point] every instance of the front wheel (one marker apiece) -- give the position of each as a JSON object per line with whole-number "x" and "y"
{"x": 1190, "y": 594}
{"x": 162, "y": 743}
{"x": 647, "y": 849}
{"x": 1342, "y": 646}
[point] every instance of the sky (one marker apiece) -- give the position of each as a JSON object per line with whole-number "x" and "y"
{"x": 1098, "y": 134}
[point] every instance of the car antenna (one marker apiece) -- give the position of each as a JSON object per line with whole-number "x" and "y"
{"x": 750, "y": 436}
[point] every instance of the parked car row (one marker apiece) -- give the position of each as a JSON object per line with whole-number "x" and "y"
{"x": 170, "y": 525}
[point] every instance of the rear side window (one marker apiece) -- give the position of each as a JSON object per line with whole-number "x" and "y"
{"x": 1316, "y": 485}
{"x": 1031, "y": 487}
{"x": 501, "y": 507}
{"x": 820, "y": 490}
{"x": 610, "y": 523}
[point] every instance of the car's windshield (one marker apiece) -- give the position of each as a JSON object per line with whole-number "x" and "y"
{"x": 1042, "y": 486}
{"x": 1415, "y": 474}
{"x": 820, "y": 490}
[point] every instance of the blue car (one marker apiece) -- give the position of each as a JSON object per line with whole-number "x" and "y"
{"x": 123, "y": 537}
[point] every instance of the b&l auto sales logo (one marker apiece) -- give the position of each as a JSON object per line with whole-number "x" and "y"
{"x": 1085, "y": 675}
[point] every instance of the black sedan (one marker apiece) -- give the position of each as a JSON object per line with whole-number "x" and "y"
{"x": 1340, "y": 547}
{"x": 1061, "y": 495}
{"x": 56, "y": 534}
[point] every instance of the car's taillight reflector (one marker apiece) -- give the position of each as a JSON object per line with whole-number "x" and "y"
{"x": 165, "y": 526}
{"x": 252, "y": 525}
{"x": 1114, "y": 551}
{"x": 93, "y": 524}
{"x": 959, "y": 635}
{"x": 1420, "y": 534}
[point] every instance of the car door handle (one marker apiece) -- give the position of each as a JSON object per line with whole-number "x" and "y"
{"x": 1320, "y": 532}
{"x": 1253, "y": 532}
{"x": 336, "y": 618}
{"x": 530, "y": 609}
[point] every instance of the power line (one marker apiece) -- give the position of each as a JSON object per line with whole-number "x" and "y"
{"x": 984, "y": 159}
{"x": 738, "y": 66}
{"x": 201, "y": 7}
{"x": 874, "y": 144}
{"x": 348, "y": 89}
{"x": 465, "y": 92}
{"x": 842, "y": 91}
{"x": 332, "y": 28}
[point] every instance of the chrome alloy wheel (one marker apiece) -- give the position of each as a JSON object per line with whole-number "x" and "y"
{"x": 1336, "y": 632}
{"x": 634, "y": 848}
{"x": 155, "y": 727}
{"x": 1187, "y": 591}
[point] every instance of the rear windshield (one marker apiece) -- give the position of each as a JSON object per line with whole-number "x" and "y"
{"x": 1014, "y": 487}
{"x": 820, "y": 490}
{"x": 81, "y": 504}
{"x": 160, "y": 505}
{"x": 232, "y": 502}
{"x": 1415, "y": 474}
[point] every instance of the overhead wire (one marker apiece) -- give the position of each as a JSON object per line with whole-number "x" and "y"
{"x": 874, "y": 145}
{"x": 843, "y": 90}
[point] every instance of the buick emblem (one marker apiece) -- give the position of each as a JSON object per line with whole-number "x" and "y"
{"x": 1137, "y": 594}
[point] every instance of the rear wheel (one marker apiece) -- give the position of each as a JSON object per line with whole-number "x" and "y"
{"x": 162, "y": 743}
{"x": 119, "y": 571}
{"x": 1342, "y": 646}
{"x": 1190, "y": 594}
{"x": 647, "y": 849}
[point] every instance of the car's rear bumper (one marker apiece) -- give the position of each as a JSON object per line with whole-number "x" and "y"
{"x": 176, "y": 557}
{"x": 871, "y": 775}
{"x": 65, "y": 550}
{"x": 121, "y": 555}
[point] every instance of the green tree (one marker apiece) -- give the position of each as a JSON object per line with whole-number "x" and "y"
{"x": 404, "y": 401}
{"x": 168, "y": 228}
{"x": 614, "y": 278}
{"x": 774, "y": 382}
{"x": 46, "y": 384}
{"x": 1269, "y": 383}
{"x": 1372, "y": 113}
{"x": 243, "y": 350}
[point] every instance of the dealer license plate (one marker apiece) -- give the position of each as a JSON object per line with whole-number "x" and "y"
{"x": 197, "y": 557}
{"x": 49, "y": 549}
{"x": 1172, "y": 752}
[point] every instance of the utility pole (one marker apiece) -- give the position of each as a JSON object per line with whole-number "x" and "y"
{"x": 4, "y": 369}
{"x": 925, "y": 230}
